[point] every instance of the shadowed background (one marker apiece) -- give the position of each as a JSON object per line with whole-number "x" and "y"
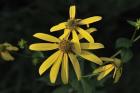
{"x": 22, "y": 18}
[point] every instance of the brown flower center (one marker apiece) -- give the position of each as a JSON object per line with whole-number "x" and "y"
{"x": 66, "y": 46}
{"x": 72, "y": 24}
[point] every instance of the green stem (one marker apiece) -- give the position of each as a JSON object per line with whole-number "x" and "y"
{"x": 137, "y": 38}
{"x": 133, "y": 36}
{"x": 116, "y": 54}
{"x": 90, "y": 75}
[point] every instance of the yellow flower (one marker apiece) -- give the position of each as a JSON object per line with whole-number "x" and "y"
{"x": 73, "y": 24}
{"x": 113, "y": 64}
{"x": 65, "y": 50}
{"x": 5, "y": 50}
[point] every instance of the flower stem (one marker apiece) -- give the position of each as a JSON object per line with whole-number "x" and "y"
{"x": 90, "y": 75}
{"x": 116, "y": 54}
{"x": 133, "y": 36}
{"x": 137, "y": 38}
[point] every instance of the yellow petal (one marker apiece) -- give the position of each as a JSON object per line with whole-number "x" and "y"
{"x": 105, "y": 73}
{"x": 102, "y": 69}
{"x": 48, "y": 62}
{"x": 114, "y": 74}
{"x": 10, "y": 47}
{"x": 72, "y": 11}
{"x": 65, "y": 35}
{"x": 90, "y": 30}
{"x": 6, "y": 56}
{"x": 46, "y": 37}
{"x": 43, "y": 46}
{"x": 76, "y": 65}
{"x": 106, "y": 59}
{"x": 85, "y": 34}
{"x": 90, "y": 20}
{"x": 91, "y": 57}
{"x": 64, "y": 69}
{"x": 91, "y": 45}
{"x": 55, "y": 68}
{"x": 58, "y": 27}
{"x": 118, "y": 75}
{"x": 76, "y": 42}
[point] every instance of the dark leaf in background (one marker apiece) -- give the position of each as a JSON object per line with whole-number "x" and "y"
{"x": 123, "y": 43}
{"x": 63, "y": 89}
{"x": 126, "y": 55}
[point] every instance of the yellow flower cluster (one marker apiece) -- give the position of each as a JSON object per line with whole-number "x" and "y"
{"x": 111, "y": 64}
{"x": 68, "y": 46}
{"x": 5, "y": 50}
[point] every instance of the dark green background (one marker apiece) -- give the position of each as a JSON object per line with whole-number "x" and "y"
{"x": 22, "y": 18}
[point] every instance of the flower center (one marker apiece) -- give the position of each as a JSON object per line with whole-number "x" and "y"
{"x": 66, "y": 46}
{"x": 72, "y": 24}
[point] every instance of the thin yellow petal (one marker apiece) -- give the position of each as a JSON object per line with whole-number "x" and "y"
{"x": 72, "y": 11}
{"x": 105, "y": 73}
{"x": 90, "y": 20}
{"x": 76, "y": 65}
{"x": 64, "y": 69}
{"x": 85, "y": 34}
{"x": 6, "y": 56}
{"x": 91, "y": 57}
{"x": 90, "y": 30}
{"x": 43, "y": 46}
{"x": 76, "y": 42}
{"x": 65, "y": 35}
{"x": 46, "y": 37}
{"x": 48, "y": 62}
{"x": 10, "y": 47}
{"x": 114, "y": 74}
{"x": 118, "y": 75}
{"x": 91, "y": 45}
{"x": 58, "y": 27}
{"x": 102, "y": 69}
{"x": 55, "y": 68}
{"x": 106, "y": 59}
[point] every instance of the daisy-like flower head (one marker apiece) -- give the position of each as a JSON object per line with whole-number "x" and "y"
{"x": 5, "y": 50}
{"x": 112, "y": 64}
{"x": 65, "y": 50}
{"x": 73, "y": 24}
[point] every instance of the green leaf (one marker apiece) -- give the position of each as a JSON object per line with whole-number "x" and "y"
{"x": 132, "y": 23}
{"x": 126, "y": 55}
{"x": 101, "y": 91}
{"x": 123, "y": 43}
{"x": 35, "y": 61}
{"x": 77, "y": 86}
{"x": 87, "y": 86}
{"x": 63, "y": 89}
{"x": 38, "y": 55}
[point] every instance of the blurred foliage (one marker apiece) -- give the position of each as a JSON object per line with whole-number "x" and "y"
{"x": 20, "y": 19}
